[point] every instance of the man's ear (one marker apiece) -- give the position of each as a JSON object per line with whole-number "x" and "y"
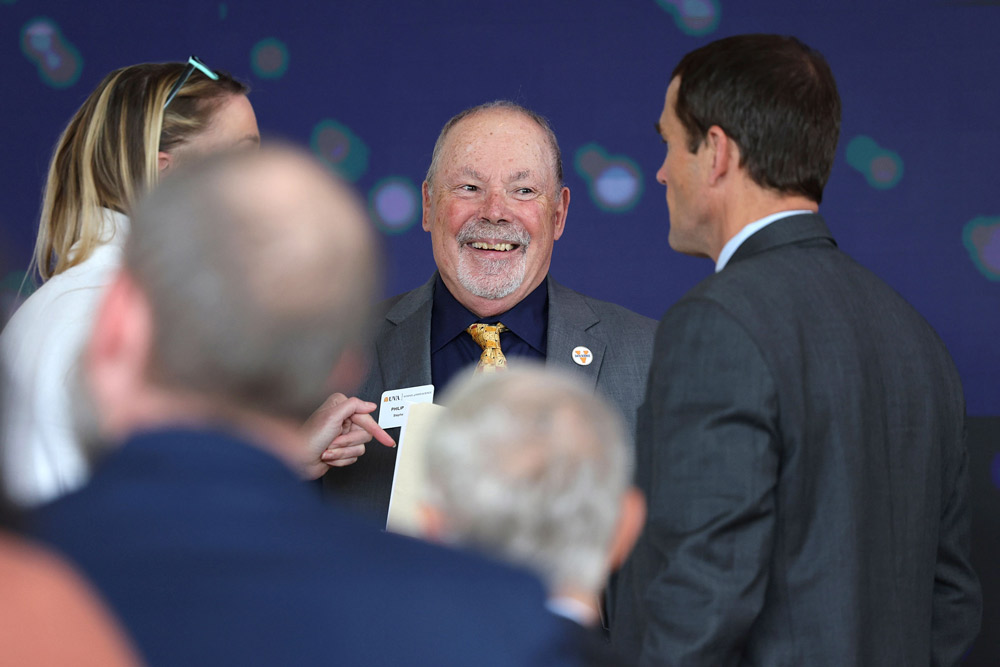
{"x": 117, "y": 354}
{"x": 723, "y": 153}
{"x": 562, "y": 210}
{"x": 432, "y": 523}
{"x": 164, "y": 161}
{"x": 425, "y": 191}
{"x": 630, "y": 523}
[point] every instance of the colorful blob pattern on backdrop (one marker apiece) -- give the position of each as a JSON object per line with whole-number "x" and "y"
{"x": 381, "y": 79}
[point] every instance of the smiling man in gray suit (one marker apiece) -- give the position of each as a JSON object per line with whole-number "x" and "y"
{"x": 801, "y": 444}
{"x": 494, "y": 204}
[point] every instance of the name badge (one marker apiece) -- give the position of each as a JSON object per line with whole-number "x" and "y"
{"x": 395, "y": 404}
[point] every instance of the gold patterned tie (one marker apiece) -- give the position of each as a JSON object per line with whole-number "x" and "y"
{"x": 488, "y": 337}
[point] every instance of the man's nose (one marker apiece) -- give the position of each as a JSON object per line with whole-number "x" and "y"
{"x": 495, "y": 206}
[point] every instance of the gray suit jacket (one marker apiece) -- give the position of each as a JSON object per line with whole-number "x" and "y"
{"x": 620, "y": 340}
{"x": 802, "y": 450}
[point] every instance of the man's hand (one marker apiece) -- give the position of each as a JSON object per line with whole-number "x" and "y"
{"x": 337, "y": 432}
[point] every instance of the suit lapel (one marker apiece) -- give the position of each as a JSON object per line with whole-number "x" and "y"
{"x": 794, "y": 229}
{"x": 570, "y": 316}
{"x": 404, "y": 352}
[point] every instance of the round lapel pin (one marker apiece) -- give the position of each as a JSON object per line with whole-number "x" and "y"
{"x": 582, "y": 355}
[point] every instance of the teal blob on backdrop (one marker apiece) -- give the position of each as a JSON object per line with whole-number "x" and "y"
{"x": 882, "y": 168}
{"x": 269, "y": 58}
{"x": 223, "y": 11}
{"x": 340, "y": 149}
{"x": 614, "y": 181}
{"x": 981, "y": 237}
{"x": 693, "y": 17}
{"x": 59, "y": 63}
{"x": 395, "y": 204}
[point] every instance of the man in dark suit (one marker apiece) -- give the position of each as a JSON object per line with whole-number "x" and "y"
{"x": 801, "y": 442}
{"x": 207, "y": 353}
{"x": 494, "y": 204}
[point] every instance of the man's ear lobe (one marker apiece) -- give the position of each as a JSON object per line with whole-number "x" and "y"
{"x": 432, "y": 523}
{"x": 562, "y": 209}
{"x": 108, "y": 336}
{"x": 117, "y": 353}
{"x": 721, "y": 153}
{"x": 631, "y": 520}
{"x": 425, "y": 191}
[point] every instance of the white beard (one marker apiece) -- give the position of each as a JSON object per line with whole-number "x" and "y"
{"x": 492, "y": 278}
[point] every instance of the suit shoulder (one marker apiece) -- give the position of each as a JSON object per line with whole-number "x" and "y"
{"x": 612, "y": 314}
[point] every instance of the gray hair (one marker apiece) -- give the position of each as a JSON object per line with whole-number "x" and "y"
{"x": 527, "y": 466}
{"x": 260, "y": 269}
{"x": 497, "y": 105}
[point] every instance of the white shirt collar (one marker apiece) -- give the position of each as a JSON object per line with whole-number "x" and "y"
{"x": 734, "y": 243}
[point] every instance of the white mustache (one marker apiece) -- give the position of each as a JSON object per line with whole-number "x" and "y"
{"x": 510, "y": 232}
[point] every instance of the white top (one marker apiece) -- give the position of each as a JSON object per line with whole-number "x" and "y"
{"x": 733, "y": 244}
{"x": 40, "y": 351}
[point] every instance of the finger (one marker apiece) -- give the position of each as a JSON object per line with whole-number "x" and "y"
{"x": 329, "y": 420}
{"x": 371, "y": 426}
{"x": 342, "y": 453}
{"x": 351, "y": 439}
{"x": 342, "y": 463}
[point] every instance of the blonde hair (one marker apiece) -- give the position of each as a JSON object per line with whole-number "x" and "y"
{"x": 107, "y": 155}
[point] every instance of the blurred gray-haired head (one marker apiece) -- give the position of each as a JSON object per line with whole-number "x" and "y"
{"x": 260, "y": 269}
{"x": 529, "y": 467}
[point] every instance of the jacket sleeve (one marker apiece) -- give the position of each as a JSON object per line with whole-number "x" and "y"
{"x": 713, "y": 465}
{"x": 958, "y": 602}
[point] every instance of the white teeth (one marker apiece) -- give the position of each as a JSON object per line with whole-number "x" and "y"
{"x": 492, "y": 246}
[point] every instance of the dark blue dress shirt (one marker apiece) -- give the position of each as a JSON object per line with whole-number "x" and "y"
{"x": 452, "y": 348}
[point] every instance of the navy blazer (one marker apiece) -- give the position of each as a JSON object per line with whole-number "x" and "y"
{"x": 620, "y": 340}
{"x": 213, "y": 553}
{"x": 801, "y": 446}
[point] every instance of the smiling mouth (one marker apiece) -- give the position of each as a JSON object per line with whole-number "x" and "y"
{"x": 501, "y": 247}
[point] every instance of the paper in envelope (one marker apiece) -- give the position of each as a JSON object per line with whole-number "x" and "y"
{"x": 408, "y": 479}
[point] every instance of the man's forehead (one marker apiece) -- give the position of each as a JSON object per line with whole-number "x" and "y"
{"x": 485, "y": 125}
{"x": 507, "y": 174}
{"x": 513, "y": 140}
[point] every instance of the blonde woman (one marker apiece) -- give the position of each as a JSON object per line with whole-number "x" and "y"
{"x": 140, "y": 121}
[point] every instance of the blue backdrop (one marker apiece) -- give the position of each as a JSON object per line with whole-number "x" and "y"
{"x": 368, "y": 84}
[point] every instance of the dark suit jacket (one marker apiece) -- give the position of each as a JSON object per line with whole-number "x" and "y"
{"x": 802, "y": 450}
{"x": 213, "y": 553}
{"x": 620, "y": 340}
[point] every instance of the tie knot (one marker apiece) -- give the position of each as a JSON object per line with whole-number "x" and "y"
{"x": 488, "y": 338}
{"x": 487, "y": 335}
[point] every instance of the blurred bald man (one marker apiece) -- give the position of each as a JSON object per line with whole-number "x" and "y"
{"x": 547, "y": 485}
{"x": 243, "y": 297}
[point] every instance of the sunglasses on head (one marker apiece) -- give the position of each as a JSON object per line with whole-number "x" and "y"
{"x": 194, "y": 63}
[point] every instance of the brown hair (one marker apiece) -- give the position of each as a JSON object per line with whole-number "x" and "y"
{"x": 775, "y": 97}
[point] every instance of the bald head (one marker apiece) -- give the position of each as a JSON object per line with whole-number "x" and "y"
{"x": 498, "y": 107}
{"x": 259, "y": 269}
